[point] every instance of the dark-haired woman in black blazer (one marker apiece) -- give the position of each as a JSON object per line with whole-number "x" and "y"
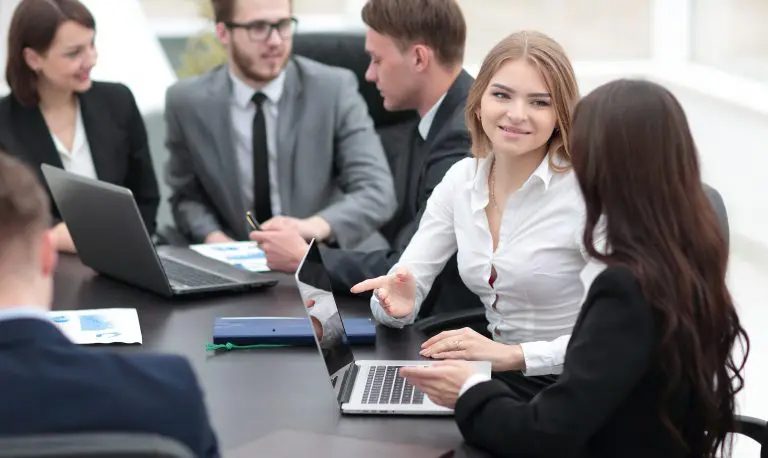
{"x": 57, "y": 115}
{"x": 649, "y": 370}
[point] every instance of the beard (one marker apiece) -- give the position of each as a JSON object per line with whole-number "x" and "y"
{"x": 254, "y": 70}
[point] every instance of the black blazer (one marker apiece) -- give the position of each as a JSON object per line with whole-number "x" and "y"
{"x": 50, "y": 385}
{"x": 116, "y": 136}
{"x": 417, "y": 167}
{"x": 604, "y": 403}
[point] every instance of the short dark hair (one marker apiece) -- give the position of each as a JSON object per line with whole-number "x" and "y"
{"x": 439, "y": 24}
{"x": 224, "y": 10}
{"x": 34, "y": 25}
{"x": 24, "y": 206}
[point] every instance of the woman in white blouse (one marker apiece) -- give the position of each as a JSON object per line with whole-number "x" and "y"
{"x": 514, "y": 213}
{"x": 57, "y": 115}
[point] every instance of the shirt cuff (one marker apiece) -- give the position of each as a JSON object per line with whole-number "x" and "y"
{"x": 541, "y": 358}
{"x": 473, "y": 380}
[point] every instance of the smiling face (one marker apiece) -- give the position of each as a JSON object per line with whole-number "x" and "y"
{"x": 68, "y": 62}
{"x": 516, "y": 110}
{"x": 257, "y": 61}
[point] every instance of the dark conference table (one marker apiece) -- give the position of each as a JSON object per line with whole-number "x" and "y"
{"x": 259, "y": 393}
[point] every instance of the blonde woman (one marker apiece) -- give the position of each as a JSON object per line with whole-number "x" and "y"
{"x": 514, "y": 213}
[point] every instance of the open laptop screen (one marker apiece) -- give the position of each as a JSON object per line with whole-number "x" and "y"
{"x": 316, "y": 294}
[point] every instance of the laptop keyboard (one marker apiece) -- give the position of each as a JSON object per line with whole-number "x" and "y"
{"x": 385, "y": 386}
{"x": 189, "y": 276}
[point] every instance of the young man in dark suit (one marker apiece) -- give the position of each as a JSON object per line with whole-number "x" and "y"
{"x": 417, "y": 50}
{"x": 50, "y": 385}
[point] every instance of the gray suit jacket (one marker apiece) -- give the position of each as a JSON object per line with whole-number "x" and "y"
{"x": 330, "y": 160}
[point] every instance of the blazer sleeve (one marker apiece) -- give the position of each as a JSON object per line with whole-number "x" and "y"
{"x": 364, "y": 177}
{"x": 141, "y": 179}
{"x": 609, "y": 352}
{"x": 190, "y": 205}
{"x": 205, "y": 443}
{"x": 348, "y": 267}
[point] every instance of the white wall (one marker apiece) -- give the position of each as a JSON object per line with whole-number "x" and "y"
{"x": 729, "y": 121}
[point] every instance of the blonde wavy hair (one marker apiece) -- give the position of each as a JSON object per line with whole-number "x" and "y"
{"x": 550, "y": 59}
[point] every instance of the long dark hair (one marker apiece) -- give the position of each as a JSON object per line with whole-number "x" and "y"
{"x": 637, "y": 167}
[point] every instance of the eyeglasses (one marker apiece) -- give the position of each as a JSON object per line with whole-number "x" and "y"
{"x": 261, "y": 30}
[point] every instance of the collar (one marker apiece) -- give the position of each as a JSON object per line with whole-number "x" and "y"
{"x": 426, "y": 122}
{"x": 15, "y": 313}
{"x": 543, "y": 172}
{"x": 479, "y": 185}
{"x": 242, "y": 93}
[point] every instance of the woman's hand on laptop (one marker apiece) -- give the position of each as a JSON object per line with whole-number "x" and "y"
{"x": 441, "y": 381}
{"x": 395, "y": 292}
{"x": 468, "y": 344}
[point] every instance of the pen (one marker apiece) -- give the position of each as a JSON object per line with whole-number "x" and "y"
{"x": 252, "y": 221}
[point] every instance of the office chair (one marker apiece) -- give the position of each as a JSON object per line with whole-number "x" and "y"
{"x": 92, "y": 445}
{"x": 475, "y": 318}
{"x": 756, "y": 429}
{"x": 347, "y": 50}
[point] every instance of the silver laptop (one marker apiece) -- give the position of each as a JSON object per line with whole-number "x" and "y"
{"x": 361, "y": 386}
{"x": 111, "y": 238}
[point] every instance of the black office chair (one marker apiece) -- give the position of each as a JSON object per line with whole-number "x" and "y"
{"x": 347, "y": 50}
{"x": 475, "y": 318}
{"x": 92, "y": 445}
{"x": 755, "y": 429}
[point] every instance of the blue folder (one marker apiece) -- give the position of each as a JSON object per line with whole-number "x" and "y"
{"x": 284, "y": 331}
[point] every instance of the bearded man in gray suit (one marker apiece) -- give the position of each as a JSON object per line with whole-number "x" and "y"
{"x": 283, "y": 136}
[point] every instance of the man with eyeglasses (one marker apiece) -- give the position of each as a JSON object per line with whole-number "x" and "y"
{"x": 282, "y": 136}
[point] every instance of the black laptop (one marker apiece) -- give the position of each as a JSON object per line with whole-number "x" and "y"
{"x": 111, "y": 238}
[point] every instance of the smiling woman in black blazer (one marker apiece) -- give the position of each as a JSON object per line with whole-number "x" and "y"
{"x": 648, "y": 371}
{"x": 57, "y": 115}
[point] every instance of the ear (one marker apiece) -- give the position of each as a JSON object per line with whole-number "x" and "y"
{"x": 422, "y": 57}
{"x": 33, "y": 60}
{"x": 48, "y": 254}
{"x": 222, "y": 33}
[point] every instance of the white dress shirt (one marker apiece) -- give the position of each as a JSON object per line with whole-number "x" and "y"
{"x": 242, "y": 110}
{"x": 78, "y": 160}
{"x": 537, "y": 293}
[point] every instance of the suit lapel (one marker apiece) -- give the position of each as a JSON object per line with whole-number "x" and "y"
{"x": 457, "y": 94}
{"x": 34, "y": 136}
{"x": 103, "y": 137}
{"x": 217, "y": 115}
{"x": 288, "y": 112}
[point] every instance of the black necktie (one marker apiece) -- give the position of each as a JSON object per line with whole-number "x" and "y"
{"x": 262, "y": 204}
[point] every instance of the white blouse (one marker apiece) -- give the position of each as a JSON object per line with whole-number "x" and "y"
{"x": 537, "y": 294}
{"x": 79, "y": 159}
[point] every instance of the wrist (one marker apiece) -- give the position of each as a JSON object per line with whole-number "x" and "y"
{"x": 513, "y": 359}
{"x": 318, "y": 228}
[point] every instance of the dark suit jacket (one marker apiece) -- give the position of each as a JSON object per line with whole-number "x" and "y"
{"x": 50, "y": 385}
{"x": 116, "y": 137}
{"x": 417, "y": 169}
{"x": 604, "y": 403}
